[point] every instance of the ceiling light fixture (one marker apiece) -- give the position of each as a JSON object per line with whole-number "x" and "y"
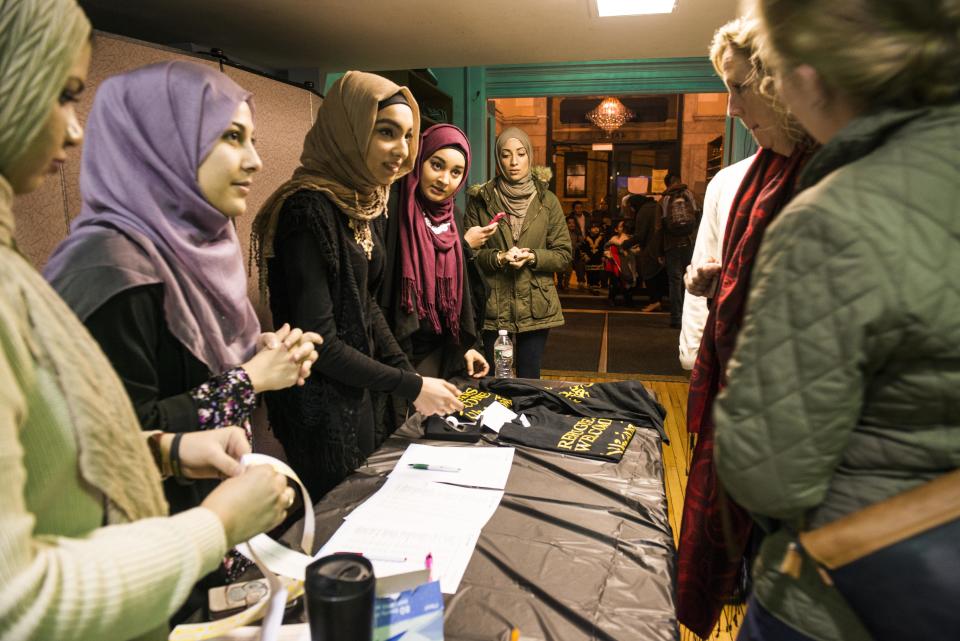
{"x": 610, "y": 115}
{"x": 611, "y": 8}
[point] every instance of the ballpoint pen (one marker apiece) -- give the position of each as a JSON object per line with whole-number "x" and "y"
{"x": 433, "y": 468}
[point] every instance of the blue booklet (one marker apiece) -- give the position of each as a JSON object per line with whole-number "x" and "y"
{"x": 411, "y": 615}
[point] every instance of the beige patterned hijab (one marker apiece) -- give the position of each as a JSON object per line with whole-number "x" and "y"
{"x": 515, "y": 195}
{"x": 334, "y": 158}
{"x": 39, "y": 40}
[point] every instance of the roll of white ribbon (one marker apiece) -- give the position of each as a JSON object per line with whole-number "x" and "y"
{"x": 282, "y": 567}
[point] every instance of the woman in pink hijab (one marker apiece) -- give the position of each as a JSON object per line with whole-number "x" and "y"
{"x": 431, "y": 300}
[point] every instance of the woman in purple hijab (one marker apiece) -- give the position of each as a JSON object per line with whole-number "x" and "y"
{"x": 152, "y": 265}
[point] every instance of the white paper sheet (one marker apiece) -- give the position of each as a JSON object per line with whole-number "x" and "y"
{"x": 451, "y": 549}
{"x": 406, "y": 501}
{"x": 278, "y": 558}
{"x": 496, "y": 415}
{"x": 486, "y": 467}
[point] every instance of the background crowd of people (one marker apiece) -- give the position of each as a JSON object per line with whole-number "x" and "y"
{"x": 641, "y": 251}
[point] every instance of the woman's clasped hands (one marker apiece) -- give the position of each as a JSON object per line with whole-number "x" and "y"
{"x": 283, "y": 358}
{"x": 517, "y": 257}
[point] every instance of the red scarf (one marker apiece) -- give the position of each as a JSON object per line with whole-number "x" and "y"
{"x": 432, "y": 263}
{"x": 708, "y": 564}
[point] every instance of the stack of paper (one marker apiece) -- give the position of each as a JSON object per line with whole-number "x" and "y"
{"x": 405, "y": 499}
{"x": 421, "y": 512}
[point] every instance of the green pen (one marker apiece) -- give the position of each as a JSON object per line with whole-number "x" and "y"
{"x": 433, "y": 468}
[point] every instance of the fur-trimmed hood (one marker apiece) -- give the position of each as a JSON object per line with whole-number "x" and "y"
{"x": 541, "y": 175}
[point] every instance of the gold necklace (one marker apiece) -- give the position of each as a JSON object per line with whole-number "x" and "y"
{"x": 363, "y": 236}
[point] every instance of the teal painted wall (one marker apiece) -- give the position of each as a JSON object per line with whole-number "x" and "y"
{"x": 453, "y": 80}
{"x": 739, "y": 142}
{"x": 332, "y": 77}
{"x": 467, "y": 87}
{"x": 666, "y": 75}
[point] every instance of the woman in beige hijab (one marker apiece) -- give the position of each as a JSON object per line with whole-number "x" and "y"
{"x": 519, "y": 261}
{"x": 322, "y": 264}
{"x": 80, "y": 555}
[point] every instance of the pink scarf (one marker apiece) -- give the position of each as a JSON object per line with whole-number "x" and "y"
{"x": 432, "y": 262}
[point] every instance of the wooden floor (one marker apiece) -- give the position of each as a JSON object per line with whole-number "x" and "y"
{"x": 672, "y": 395}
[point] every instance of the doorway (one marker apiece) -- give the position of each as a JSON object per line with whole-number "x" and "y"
{"x": 599, "y": 167}
{"x": 677, "y": 133}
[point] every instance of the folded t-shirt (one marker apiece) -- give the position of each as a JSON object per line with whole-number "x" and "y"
{"x": 622, "y": 400}
{"x": 592, "y": 437}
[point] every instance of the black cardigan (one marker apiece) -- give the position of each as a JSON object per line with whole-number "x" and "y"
{"x": 405, "y": 326}
{"x": 320, "y": 280}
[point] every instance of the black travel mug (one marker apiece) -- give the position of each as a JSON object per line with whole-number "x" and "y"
{"x": 340, "y": 595}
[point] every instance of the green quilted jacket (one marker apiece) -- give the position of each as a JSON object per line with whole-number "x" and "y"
{"x": 526, "y": 299}
{"x": 844, "y": 388}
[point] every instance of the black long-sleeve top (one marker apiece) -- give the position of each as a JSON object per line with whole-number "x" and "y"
{"x": 157, "y": 370}
{"x": 310, "y": 306}
{"x": 170, "y": 388}
{"x": 321, "y": 280}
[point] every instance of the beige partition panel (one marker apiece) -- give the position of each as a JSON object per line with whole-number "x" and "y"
{"x": 283, "y": 114}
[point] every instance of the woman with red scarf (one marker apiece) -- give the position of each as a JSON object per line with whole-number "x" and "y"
{"x": 715, "y": 532}
{"x": 429, "y": 299}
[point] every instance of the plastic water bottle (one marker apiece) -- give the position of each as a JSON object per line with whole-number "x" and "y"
{"x": 503, "y": 355}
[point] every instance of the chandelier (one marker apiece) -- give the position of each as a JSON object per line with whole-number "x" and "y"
{"x": 610, "y": 114}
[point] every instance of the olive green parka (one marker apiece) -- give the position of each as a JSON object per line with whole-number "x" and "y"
{"x": 525, "y": 299}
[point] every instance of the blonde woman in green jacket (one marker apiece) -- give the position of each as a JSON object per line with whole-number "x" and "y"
{"x": 844, "y": 387}
{"x": 519, "y": 260}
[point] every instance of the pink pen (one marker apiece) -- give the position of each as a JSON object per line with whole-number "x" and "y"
{"x": 428, "y": 563}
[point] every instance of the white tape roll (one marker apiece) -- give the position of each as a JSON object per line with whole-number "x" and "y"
{"x": 282, "y": 567}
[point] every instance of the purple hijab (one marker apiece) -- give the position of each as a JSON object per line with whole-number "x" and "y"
{"x": 144, "y": 219}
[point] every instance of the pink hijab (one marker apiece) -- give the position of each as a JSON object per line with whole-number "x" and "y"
{"x": 431, "y": 253}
